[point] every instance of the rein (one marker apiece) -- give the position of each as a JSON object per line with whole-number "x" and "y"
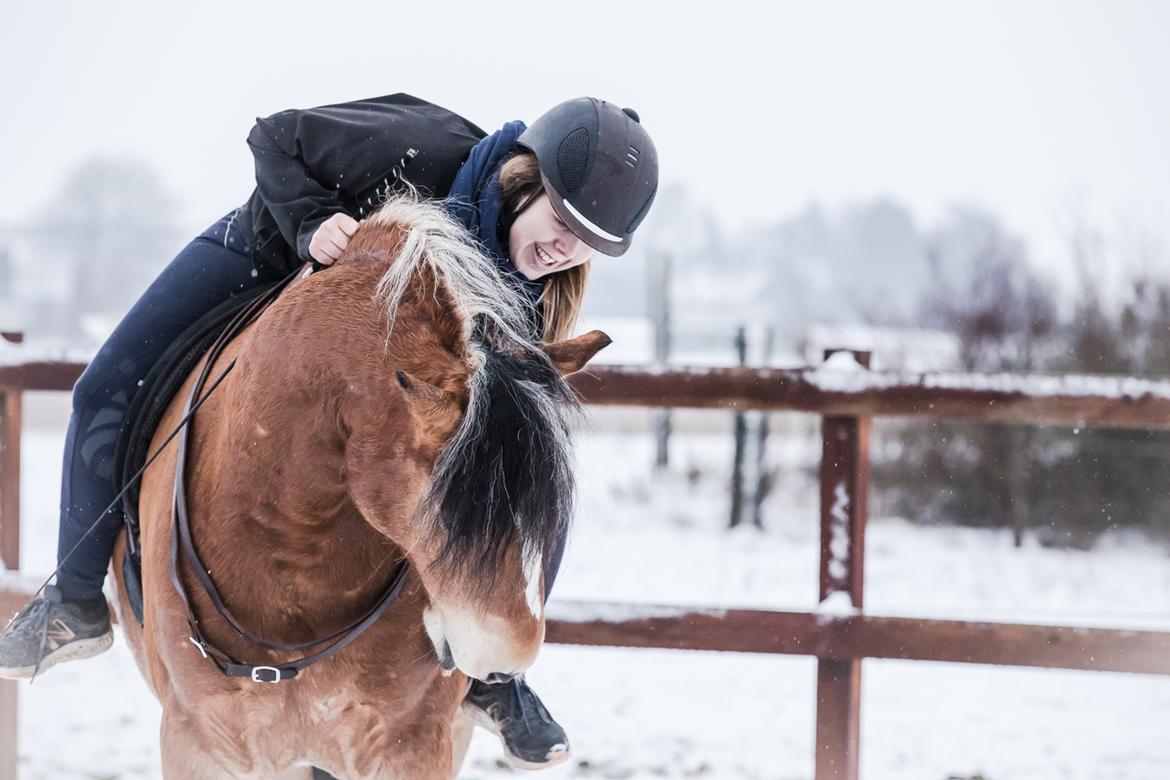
{"x": 183, "y": 544}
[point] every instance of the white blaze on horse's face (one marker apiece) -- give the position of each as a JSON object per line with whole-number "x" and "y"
{"x": 533, "y": 582}
{"x": 480, "y": 640}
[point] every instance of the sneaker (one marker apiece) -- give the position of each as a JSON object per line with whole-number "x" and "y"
{"x": 50, "y": 630}
{"x": 514, "y": 713}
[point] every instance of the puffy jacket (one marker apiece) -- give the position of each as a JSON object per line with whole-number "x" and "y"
{"x": 313, "y": 163}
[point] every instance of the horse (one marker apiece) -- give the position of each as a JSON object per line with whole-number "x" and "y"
{"x": 393, "y": 409}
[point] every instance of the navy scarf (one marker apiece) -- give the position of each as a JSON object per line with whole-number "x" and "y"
{"x": 475, "y": 201}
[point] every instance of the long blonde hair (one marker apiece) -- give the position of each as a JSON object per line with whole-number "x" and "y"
{"x": 564, "y": 291}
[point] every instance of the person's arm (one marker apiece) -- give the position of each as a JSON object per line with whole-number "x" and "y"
{"x": 298, "y": 201}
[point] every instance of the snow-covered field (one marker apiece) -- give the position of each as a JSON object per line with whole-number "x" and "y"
{"x": 642, "y": 537}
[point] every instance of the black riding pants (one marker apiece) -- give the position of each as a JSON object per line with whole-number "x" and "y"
{"x": 212, "y": 268}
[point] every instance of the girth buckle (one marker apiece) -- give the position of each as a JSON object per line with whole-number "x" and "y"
{"x": 256, "y": 674}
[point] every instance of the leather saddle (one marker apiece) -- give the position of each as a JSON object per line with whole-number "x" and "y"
{"x": 146, "y": 411}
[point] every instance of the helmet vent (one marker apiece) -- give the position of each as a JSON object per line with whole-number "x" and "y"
{"x": 573, "y": 158}
{"x": 632, "y": 157}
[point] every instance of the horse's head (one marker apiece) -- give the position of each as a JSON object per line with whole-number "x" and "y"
{"x": 459, "y": 450}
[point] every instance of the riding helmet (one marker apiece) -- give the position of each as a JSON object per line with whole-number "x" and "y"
{"x": 599, "y": 168}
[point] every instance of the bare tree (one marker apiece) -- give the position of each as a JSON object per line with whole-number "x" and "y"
{"x": 111, "y": 224}
{"x": 1062, "y": 485}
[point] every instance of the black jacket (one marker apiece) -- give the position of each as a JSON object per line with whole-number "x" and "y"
{"x": 313, "y": 163}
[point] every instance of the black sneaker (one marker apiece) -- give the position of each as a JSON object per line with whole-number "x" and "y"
{"x": 50, "y": 630}
{"x": 514, "y": 713}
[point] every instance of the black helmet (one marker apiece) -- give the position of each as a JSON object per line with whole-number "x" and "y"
{"x": 599, "y": 168}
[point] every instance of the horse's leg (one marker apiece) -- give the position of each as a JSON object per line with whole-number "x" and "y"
{"x": 461, "y": 730}
{"x": 186, "y": 753}
{"x": 182, "y": 759}
{"x": 182, "y": 756}
{"x": 416, "y": 754}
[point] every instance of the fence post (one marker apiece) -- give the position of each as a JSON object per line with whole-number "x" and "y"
{"x": 761, "y": 476}
{"x": 740, "y": 438}
{"x": 10, "y": 413}
{"x": 844, "y": 507}
{"x": 659, "y": 305}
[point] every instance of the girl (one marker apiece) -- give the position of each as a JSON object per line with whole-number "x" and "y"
{"x": 541, "y": 200}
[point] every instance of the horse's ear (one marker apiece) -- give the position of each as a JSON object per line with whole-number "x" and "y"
{"x": 571, "y": 355}
{"x": 424, "y": 397}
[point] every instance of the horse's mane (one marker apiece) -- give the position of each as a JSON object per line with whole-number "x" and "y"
{"x": 433, "y": 241}
{"x": 506, "y": 474}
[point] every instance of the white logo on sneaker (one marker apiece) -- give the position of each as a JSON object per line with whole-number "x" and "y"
{"x": 58, "y": 634}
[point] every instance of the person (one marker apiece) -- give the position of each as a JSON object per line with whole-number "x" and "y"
{"x": 541, "y": 200}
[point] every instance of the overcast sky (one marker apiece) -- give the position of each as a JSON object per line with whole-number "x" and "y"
{"x": 1039, "y": 111}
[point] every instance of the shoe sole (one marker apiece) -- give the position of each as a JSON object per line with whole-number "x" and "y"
{"x": 483, "y": 720}
{"x": 74, "y": 651}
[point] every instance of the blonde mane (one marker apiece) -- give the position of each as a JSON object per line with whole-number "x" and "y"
{"x": 433, "y": 241}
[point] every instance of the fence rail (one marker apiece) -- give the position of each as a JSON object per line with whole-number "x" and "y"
{"x": 1083, "y": 401}
{"x": 847, "y": 397}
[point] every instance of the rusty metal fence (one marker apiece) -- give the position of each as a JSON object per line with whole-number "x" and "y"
{"x": 847, "y": 397}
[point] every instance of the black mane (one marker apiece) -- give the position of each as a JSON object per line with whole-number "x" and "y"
{"x": 506, "y": 476}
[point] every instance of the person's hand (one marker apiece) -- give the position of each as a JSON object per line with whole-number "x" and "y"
{"x": 331, "y": 238}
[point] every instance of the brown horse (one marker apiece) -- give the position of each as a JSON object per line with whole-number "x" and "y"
{"x": 390, "y": 408}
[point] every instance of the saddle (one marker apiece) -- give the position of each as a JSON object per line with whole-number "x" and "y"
{"x": 146, "y": 411}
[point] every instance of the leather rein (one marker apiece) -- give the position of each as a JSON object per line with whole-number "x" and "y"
{"x": 183, "y": 544}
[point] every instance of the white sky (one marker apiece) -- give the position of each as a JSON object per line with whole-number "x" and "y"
{"x": 1040, "y": 111}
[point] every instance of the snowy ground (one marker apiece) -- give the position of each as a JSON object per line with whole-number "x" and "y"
{"x": 654, "y": 714}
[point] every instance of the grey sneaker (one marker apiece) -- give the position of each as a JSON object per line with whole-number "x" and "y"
{"x": 50, "y": 630}
{"x": 514, "y": 713}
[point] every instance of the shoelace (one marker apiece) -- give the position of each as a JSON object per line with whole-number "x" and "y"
{"x": 32, "y": 621}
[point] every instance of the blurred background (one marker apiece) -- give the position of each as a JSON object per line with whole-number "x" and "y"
{"x": 978, "y": 187}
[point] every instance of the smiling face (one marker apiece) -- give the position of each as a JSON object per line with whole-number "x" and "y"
{"x": 540, "y": 244}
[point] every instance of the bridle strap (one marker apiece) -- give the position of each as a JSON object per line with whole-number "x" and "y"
{"x": 183, "y": 544}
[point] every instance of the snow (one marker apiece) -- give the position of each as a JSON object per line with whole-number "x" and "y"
{"x": 841, "y": 362}
{"x": 1036, "y": 385}
{"x": 831, "y": 378}
{"x": 590, "y": 612}
{"x": 839, "y": 534}
{"x": 646, "y": 538}
{"x": 837, "y": 604}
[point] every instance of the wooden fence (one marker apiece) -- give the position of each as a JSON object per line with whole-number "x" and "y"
{"x": 847, "y": 397}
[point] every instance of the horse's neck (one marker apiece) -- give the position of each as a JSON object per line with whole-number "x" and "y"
{"x": 268, "y": 483}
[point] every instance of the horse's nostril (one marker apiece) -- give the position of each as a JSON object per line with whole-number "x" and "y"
{"x": 496, "y": 678}
{"x": 446, "y": 659}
